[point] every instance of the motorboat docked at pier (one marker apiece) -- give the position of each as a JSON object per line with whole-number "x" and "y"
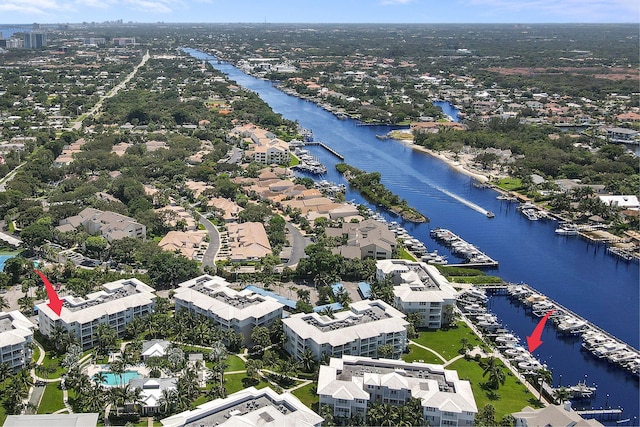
{"x": 567, "y": 229}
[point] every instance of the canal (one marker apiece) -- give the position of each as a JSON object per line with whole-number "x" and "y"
{"x": 578, "y": 274}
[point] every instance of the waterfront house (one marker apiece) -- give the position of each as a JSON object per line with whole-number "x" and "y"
{"x": 419, "y": 288}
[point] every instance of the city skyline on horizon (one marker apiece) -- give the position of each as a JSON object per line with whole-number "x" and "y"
{"x": 22, "y": 12}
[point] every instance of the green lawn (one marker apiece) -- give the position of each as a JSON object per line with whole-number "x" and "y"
{"x": 512, "y": 396}
{"x": 509, "y": 184}
{"x": 3, "y": 413}
{"x": 36, "y": 354}
{"x": 403, "y": 254}
{"x": 307, "y": 395}
{"x": 233, "y": 383}
{"x": 51, "y": 399}
{"x": 293, "y": 160}
{"x": 235, "y": 364}
{"x": 53, "y": 363}
{"x": 420, "y": 354}
{"x": 447, "y": 342}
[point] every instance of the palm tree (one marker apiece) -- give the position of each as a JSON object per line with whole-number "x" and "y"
{"x": 327, "y": 311}
{"x": 389, "y": 415}
{"x": 495, "y": 373}
{"x": 543, "y": 376}
{"x": 118, "y": 367}
{"x": 308, "y": 360}
{"x": 374, "y": 414}
{"x": 100, "y": 378}
{"x": 562, "y": 395}
{"x": 326, "y": 412}
{"x": 5, "y": 370}
{"x": 167, "y": 400}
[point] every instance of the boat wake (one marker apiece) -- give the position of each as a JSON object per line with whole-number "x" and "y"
{"x": 466, "y": 202}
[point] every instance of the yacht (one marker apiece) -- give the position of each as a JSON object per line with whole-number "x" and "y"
{"x": 567, "y": 230}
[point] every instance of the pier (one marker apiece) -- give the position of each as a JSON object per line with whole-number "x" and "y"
{"x": 601, "y": 414}
{"x": 620, "y": 353}
{"x": 473, "y": 255}
{"x": 326, "y": 147}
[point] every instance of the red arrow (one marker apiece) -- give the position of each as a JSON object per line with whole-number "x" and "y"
{"x": 55, "y": 303}
{"x": 534, "y": 340}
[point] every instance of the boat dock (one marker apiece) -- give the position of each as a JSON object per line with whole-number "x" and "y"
{"x": 601, "y": 414}
{"x": 599, "y": 342}
{"x": 326, "y": 147}
{"x": 473, "y": 255}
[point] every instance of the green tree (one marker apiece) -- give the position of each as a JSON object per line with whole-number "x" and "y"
{"x": 495, "y": 372}
{"x": 486, "y": 416}
{"x": 106, "y": 338}
{"x": 166, "y": 270}
{"x": 385, "y": 351}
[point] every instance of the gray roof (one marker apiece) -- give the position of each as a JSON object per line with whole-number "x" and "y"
{"x": 52, "y": 420}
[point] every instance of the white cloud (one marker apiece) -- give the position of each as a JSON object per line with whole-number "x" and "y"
{"x": 572, "y": 10}
{"x": 155, "y": 6}
{"x": 36, "y": 7}
{"x": 395, "y": 2}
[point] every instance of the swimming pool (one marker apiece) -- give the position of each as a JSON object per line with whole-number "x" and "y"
{"x": 3, "y": 259}
{"x": 113, "y": 379}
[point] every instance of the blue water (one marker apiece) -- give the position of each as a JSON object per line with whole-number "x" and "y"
{"x": 448, "y": 109}
{"x": 578, "y": 274}
{"x": 7, "y": 32}
{"x": 3, "y": 259}
{"x": 112, "y": 379}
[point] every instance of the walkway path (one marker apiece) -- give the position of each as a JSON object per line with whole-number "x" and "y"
{"x": 429, "y": 349}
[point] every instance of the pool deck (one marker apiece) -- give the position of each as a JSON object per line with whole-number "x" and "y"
{"x": 91, "y": 370}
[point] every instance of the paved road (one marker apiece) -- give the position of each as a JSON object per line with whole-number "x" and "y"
{"x": 298, "y": 243}
{"x": 214, "y": 242}
{"x": 9, "y": 177}
{"x": 78, "y": 123}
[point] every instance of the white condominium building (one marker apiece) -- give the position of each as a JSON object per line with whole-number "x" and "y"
{"x": 16, "y": 333}
{"x": 348, "y": 384}
{"x": 241, "y": 311}
{"x": 359, "y": 331}
{"x": 418, "y": 288}
{"x": 116, "y": 305}
{"x": 248, "y": 407}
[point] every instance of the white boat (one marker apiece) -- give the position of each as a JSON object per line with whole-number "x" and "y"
{"x": 608, "y": 348}
{"x": 530, "y": 214}
{"x": 581, "y": 391}
{"x": 571, "y": 324}
{"x": 567, "y": 230}
{"x": 507, "y": 339}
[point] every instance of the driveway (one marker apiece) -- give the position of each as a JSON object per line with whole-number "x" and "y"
{"x": 298, "y": 243}
{"x": 214, "y": 242}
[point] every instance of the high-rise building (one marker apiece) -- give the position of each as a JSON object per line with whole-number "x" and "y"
{"x": 35, "y": 40}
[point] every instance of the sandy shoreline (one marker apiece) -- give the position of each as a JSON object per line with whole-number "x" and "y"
{"x": 456, "y": 165}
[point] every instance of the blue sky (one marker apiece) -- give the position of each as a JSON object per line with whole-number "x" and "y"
{"x": 325, "y": 11}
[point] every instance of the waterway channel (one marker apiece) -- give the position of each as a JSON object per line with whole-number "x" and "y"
{"x": 580, "y": 275}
